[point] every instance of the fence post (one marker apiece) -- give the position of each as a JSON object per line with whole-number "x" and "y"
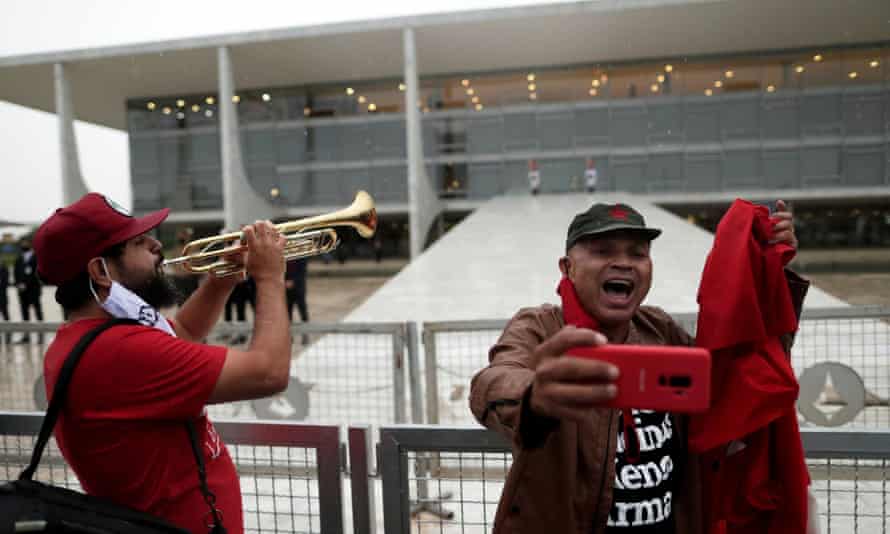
{"x": 398, "y": 374}
{"x": 393, "y": 469}
{"x": 414, "y": 373}
{"x": 432, "y": 378}
{"x": 364, "y": 516}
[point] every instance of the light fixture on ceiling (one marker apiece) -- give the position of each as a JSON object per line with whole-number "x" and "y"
{"x": 180, "y": 103}
{"x": 465, "y": 82}
{"x": 730, "y": 74}
{"x": 180, "y": 115}
{"x": 151, "y": 106}
{"x": 668, "y": 68}
{"x": 471, "y": 91}
{"x": 799, "y": 69}
{"x": 307, "y": 111}
{"x": 350, "y": 91}
{"x": 475, "y": 99}
{"x": 530, "y": 77}
{"x": 274, "y": 192}
{"x": 236, "y": 99}
{"x": 208, "y": 113}
{"x": 479, "y": 107}
{"x": 718, "y": 84}
{"x": 532, "y": 87}
{"x": 267, "y": 97}
{"x": 402, "y": 87}
{"x": 593, "y": 92}
{"x": 853, "y": 75}
{"x": 770, "y": 88}
{"x": 654, "y": 87}
{"x": 533, "y": 96}
{"x": 372, "y": 107}
{"x": 708, "y": 92}
{"x": 362, "y": 99}
{"x": 209, "y": 100}
{"x": 817, "y": 58}
{"x": 167, "y": 110}
{"x": 196, "y": 108}
{"x": 874, "y": 63}
{"x": 660, "y": 78}
{"x": 595, "y": 83}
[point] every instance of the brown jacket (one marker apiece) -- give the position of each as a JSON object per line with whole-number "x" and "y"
{"x": 562, "y": 473}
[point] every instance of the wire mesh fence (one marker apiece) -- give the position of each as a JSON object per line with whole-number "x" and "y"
{"x": 341, "y": 373}
{"x": 462, "y": 491}
{"x": 848, "y": 468}
{"x": 851, "y": 493}
{"x": 856, "y": 337}
{"x": 437, "y": 479}
{"x": 281, "y": 470}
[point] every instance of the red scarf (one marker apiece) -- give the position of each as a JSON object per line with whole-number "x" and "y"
{"x": 574, "y": 314}
{"x": 572, "y": 311}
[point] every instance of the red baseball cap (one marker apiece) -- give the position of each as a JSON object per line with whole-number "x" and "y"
{"x": 74, "y": 235}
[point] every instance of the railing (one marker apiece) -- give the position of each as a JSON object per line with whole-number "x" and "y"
{"x": 292, "y": 475}
{"x": 852, "y": 345}
{"x": 848, "y": 468}
{"x": 343, "y": 373}
{"x": 370, "y": 373}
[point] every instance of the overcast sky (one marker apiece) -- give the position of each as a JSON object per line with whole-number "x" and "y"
{"x": 29, "y": 155}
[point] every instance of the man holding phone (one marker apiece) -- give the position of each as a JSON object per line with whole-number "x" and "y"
{"x": 573, "y": 469}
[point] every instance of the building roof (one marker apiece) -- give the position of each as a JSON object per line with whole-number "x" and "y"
{"x": 495, "y": 39}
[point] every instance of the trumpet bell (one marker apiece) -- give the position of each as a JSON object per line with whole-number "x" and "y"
{"x": 304, "y": 238}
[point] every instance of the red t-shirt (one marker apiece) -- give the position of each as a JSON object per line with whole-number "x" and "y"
{"x": 122, "y": 430}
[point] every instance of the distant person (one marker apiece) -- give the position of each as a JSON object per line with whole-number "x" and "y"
{"x": 237, "y": 302}
{"x": 295, "y": 289}
{"x": 4, "y": 302}
{"x": 8, "y": 250}
{"x": 28, "y": 285}
{"x": 590, "y": 176}
{"x": 378, "y": 249}
{"x": 534, "y": 177}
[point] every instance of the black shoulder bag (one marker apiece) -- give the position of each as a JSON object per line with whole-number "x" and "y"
{"x": 27, "y": 505}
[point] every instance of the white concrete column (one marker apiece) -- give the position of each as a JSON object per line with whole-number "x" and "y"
{"x": 241, "y": 204}
{"x": 73, "y": 186}
{"x": 423, "y": 202}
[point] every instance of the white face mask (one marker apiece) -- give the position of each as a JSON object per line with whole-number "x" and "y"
{"x": 124, "y": 304}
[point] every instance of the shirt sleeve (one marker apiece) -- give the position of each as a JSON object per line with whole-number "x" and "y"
{"x": 147, "y": 374}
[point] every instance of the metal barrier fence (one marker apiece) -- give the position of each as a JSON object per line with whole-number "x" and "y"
{"x": 841, "y": 354}
{"x": 849, "y": 471}
{"x": 292, "y": 475}
{"x": 358, "y": 372}
{"x": 343, "y": 373}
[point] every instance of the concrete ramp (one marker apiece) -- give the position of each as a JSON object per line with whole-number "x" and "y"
{"x": 504, "y": 257}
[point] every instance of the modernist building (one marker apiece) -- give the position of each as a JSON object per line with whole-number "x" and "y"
{"x": 691, "y": 101}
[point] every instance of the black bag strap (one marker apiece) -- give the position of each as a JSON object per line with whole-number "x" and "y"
{"x": 216, "y": 527}
{"x": 60, "y": 391}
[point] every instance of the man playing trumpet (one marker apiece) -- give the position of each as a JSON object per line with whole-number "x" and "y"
{"x": 121, "y": 429}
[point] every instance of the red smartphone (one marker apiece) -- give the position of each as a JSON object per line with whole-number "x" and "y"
{"x": 654, "y": 377}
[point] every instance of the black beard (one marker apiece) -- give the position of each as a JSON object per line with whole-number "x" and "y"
{"x": 158, "y": 292}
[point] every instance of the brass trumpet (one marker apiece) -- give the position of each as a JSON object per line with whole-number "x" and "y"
{"x": 305, "y": 237}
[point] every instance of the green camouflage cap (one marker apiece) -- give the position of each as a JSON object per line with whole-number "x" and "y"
{"x": 604, "y": 218}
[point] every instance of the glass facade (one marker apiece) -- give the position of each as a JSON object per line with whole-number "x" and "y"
{"x": 816, "y": 118}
